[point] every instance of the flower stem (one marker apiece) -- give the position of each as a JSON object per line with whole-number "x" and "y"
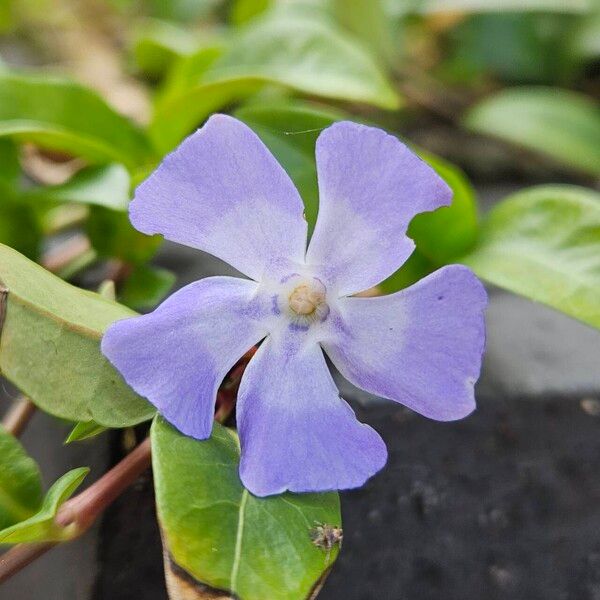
{"x": 18, "y": 416}
{"x": 83, "y": 509}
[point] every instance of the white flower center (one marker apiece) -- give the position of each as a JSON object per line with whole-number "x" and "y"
{"x": 303, "y": 300}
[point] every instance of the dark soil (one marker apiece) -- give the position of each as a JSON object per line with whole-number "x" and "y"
{"x": 502, "y": 505}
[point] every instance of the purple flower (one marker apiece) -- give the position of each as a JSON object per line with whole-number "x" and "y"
{"x": 223, "y": 192}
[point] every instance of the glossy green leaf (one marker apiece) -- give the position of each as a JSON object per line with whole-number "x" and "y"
{"x": 182, "y": 10}
{"x": 416, "y": 267}
{"x": 146, "y": 287}
{"x": 225, "y": 537}
{"x": 19, "y": 224}
{"x": 448, "y": 232}
{"x": 290, "y": 132}
{"x": 544, "y": 243}
{"x": 84, "y": 431}
{"x": 113, "y": 236}
{"x": 368, "y": 21}
{"x": 50, "y": 346}
{"x": 243, "y": 11}
{"x": 63, "y": 115}
{"x": 20, "y": 482}
{"x": 562, "y": 125}
{"x": 42, "y": 527}
{"x": 10, "y": 169}
{"x": 306, "y": 54}
{"x": 159, "y": 43}
{"x": 528, "y": 48}
{"x": 586, "y": 38}
{"x": 106, "y": 185}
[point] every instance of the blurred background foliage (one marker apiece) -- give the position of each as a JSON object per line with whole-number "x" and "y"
{"x": 93, "y": 93}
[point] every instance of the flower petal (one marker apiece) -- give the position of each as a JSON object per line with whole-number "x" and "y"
{"x": 222, "y": 191}
{"x": 370, "y": 187}
{"x": 421, "y": 346}
{"x": 296, "y": 432}
{"x": 178, "y": 355}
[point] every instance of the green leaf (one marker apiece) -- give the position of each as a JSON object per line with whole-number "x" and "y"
{"x": 106, "y": 185}
{"x": 42, "y": 527}
{"x": 50, "y": 346}
{"x": 113, "y": 236}
{"x": 146, "y": 287}
{"x": 368, "y": 21}
{"x": 441, "y": 236}
{"x": 304, "y": 53}
{"x": 448, "y": 232}
{"x": 225, "y": 537}
{"x": 63, "y": 115}
{"x": 10, "y": 168}
{"x": 19, "y": 224}
{"x": 586, "y": 38}
{"x": 20, "y": 482}
{"x": 85, "y": 430}
{"x": 562, "y": 125}
{"x": 416, "y": 267}
{"x": 544, "y": 243}
{"x": 107, "y": 290}
{"x": 514, "y": 47}
{"x": 159, "y": 43}
{"x": 182, "y": 10}
{"x": 290, "y": 132}
{"x": 243, "y": 11}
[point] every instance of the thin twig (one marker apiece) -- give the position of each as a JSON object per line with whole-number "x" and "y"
{"x": 18, "y": 416}
{"x": 81, "y": 511}
{"x": 19, "y": 557}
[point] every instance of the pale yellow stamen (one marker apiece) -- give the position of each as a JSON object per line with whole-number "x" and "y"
{"x": 304, "y": 300}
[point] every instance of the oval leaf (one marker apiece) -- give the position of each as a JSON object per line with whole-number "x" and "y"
{"x": 306, "y": 54}
{"x": 63, "y": 115}
{"x": 84, "y": 431}
{"x": 50, "y": 346}
{"x": 562, "y": 125}
{"x": 544, "y": 243}
{"x": 221, "y": 536}
{"x": 106, "y": 185}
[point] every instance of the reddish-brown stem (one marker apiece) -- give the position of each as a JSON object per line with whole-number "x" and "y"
{"x": 19, "y": 557}
{"x": 18, "y": 416}
{"x": 81, "y": 511}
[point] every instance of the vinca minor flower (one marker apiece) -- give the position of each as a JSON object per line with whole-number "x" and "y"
{"x": 223, "y": 192}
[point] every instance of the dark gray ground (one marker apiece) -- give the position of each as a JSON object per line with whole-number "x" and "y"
{"x": 502, "y": 505}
